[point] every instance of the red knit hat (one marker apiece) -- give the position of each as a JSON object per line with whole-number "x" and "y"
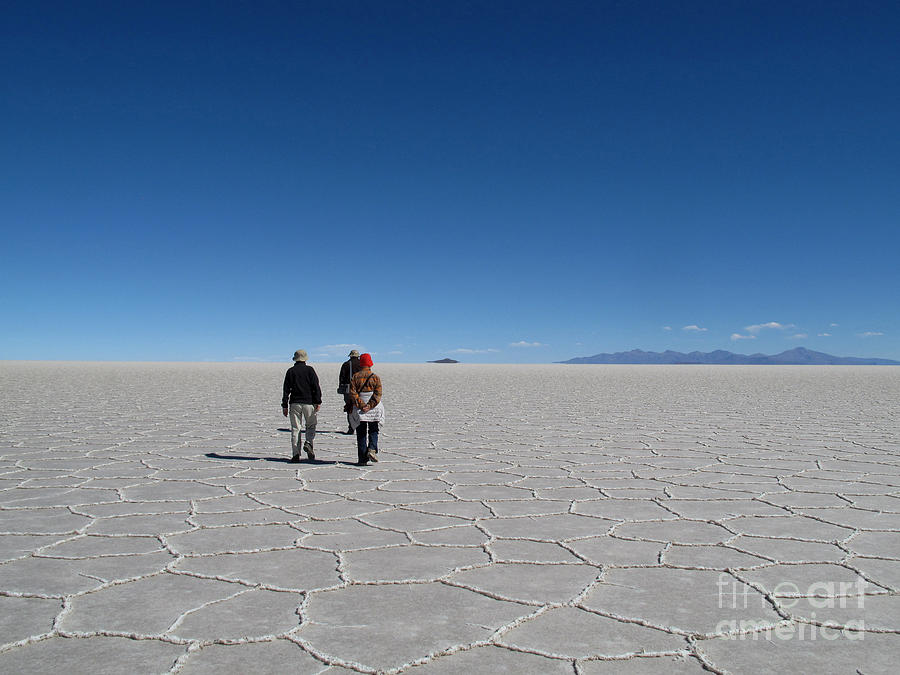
{"x": 366, "y": 360}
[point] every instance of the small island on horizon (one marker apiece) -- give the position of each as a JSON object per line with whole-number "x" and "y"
{"x": 444, "y": 361}
{"x": 799, "y": 356}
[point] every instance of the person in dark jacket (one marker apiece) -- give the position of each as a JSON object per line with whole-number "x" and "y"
{"x": 302, "y": 397}
{"x": 349, "y": 367}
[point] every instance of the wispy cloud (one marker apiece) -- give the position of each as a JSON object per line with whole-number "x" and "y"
{"x": 738, "y": 336}
{"x": 334, "y": 348}
{"x": 395, "y": 352}
{"x": 667, "y": 327}
{"x": 330, "y": 351}
{"x": 824, "y": 334}
{"x": 466, "y": 350}
{"x": 694, "y": 328}
{"x": 870, "y": 333}
{"x": 799, "y": 336}
{"x": 524, "y": 343}
{"x": 256, "y": 359}
{"x": 757, "y": 327}
{"x": 834, "y": 325}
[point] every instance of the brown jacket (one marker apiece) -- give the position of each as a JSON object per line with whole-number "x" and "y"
{"x": 365, "y": 380}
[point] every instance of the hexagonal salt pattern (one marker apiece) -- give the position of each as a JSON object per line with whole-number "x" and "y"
{"x": 522, "y": 519}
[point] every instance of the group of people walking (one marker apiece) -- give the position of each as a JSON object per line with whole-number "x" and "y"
{"x": 361, "y": 388}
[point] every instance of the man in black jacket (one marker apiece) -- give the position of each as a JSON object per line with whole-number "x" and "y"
{"x": 348, "y": 367}
{"x": 302, "y": 397}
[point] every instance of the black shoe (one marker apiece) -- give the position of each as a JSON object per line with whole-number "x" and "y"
{"x": 349, "y": 432}
{"x": 362, "y": 464}
{"x": 295, "y": 459}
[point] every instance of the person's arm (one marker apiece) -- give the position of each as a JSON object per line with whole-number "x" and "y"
{"x": 285, "y": 393}
{"x": 354, "y": 394}
{"x": 316, "y": 389}
{"x": 376, "y": 392}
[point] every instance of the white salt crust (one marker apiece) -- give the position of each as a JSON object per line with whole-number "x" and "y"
{"x": 527, "y": 519}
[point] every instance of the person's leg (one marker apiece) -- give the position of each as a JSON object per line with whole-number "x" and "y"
{"x": 296, "y": 413}
{"x": 372, "y": 451}
{"x": 309, "y": 416}
{"x": 348, "y": 408}
{"x": 309, "y": 413}
{"x": 361, "y": 442}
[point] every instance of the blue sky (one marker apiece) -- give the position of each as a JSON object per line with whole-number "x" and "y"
{"x": 490, "y": 181}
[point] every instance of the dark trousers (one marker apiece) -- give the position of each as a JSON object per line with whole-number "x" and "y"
{"x": 366, "y": 437}
{"x": 348, "y": 407}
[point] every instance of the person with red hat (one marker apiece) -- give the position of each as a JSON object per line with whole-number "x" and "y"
{"x": 368, "y": 410}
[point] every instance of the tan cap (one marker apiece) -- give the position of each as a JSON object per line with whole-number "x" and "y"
{"x": 300, "y": 355}
{"x": 353, "y": 352}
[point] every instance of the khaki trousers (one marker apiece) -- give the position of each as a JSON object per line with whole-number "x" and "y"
{"x": 298, "y": 412}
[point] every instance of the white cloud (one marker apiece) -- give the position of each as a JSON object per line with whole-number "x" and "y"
{"x": 523, "y": 343}
{"x": 870, "y": 333}
{"x": 824, "y": 334}
{"x": 834, "y": 325}
{"x": 738, "y": 336}
{"x": 799, "y": 336}
{"x": 395, "y": 352}
{"x": 334, "y": 348}
{"x": 332, "y": 351}
{"x": 694, "y": 328}
{"x": 757, "y": 327}
{"x": 667, "y": 327}
{"x": 466, "y": 350}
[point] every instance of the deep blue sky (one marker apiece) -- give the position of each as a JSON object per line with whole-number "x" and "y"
{"x": 491, "y": 181}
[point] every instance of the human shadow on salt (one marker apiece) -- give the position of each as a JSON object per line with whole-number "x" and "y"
{"x": 342, "y": 433}
{"x": 282, "y": 460}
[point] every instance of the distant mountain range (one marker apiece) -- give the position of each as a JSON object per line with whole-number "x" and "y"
{"x": 792, "y": 357}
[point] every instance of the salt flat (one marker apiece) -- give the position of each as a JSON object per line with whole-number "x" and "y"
{"x": 522, "y": 519}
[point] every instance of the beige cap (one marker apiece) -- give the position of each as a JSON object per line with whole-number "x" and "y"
{"x": 300, "y": 355}
{"x": 353, "y": 352}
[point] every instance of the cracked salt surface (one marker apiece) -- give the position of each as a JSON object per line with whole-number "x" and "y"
{"x": 616, "y": 519}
